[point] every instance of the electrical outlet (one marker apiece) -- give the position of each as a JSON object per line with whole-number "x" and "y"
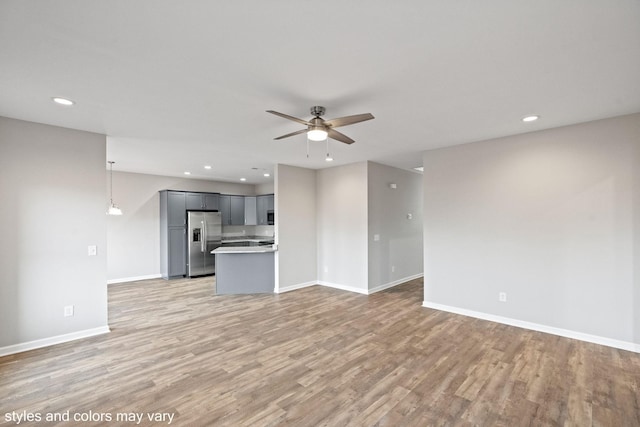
{"x": 393, "y": 268}
{"x": 502, "y": 296}
{"x": 68, "y": 311}
{"x": 376, "y": 237}
{"x": 92, "y": 250}
{"x": 326, "y": 269}
{"x": 409, "y": 216}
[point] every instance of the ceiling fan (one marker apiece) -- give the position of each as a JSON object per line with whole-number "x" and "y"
{"x": 319, "y": 129}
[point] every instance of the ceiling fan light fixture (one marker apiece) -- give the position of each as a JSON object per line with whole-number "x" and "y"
{"x": 317, "y": 135}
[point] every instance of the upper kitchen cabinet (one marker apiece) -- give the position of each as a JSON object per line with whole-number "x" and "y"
{"x": 173, "y": 203}
{"x": 232, "y": 209}
{"x": 250, "y": 213}
{"x": 203, "y": 201}
{"x": 237, "y": 210}
{"x": 265, "y": 204}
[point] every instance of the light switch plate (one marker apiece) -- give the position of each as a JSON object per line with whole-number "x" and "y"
{"x": 92, "y": 250}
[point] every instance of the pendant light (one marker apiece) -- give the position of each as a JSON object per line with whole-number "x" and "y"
{"x": 113, "y": 209}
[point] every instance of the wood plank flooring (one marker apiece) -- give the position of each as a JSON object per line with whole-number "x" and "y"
{"x": 317, "y": 357}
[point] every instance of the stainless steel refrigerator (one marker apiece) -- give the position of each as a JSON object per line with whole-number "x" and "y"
{"x": 204, "y": 234}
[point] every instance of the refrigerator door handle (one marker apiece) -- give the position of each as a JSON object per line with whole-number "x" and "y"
{"x": 203, "y": 224}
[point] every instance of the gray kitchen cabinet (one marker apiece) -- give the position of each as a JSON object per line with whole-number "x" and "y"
{"x": 250, "y": 211}
{"x": 237, "y": 210}
{"x": 173, "y": 245}
{"x": 177, "y": 256}
{"x": 232, "y": 209}
{"x": 203, "y": 201}
{"x": 211, "y": 201}
{"x": 225, "y": 209}
{"x": 264, "y": 204}
{"x": 174, "y": 206}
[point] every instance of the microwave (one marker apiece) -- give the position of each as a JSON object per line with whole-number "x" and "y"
{"x": 270, "y": 218}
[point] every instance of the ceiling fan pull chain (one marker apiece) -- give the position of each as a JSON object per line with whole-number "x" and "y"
{"x": 307, "y": 147}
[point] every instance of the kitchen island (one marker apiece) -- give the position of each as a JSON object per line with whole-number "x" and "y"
{"x": 245, "y": 269}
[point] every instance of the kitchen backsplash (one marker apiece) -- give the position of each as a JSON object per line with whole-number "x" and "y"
{"x": 247, "y": 230}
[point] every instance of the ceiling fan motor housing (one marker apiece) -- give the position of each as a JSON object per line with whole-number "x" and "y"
{"x": 317, "y": 110}
{"x": 317, "y": 123}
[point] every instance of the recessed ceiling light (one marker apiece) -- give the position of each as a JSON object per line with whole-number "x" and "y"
{"x": 207, "y": 167}
{"x": 187, "y": 173}
{"x": 63, "y": 101}
{"x": 530, "y": 118}
{"x": 267, "y": 174}
{"x": 243, "y": 179}
{"x": 419, "y": 169}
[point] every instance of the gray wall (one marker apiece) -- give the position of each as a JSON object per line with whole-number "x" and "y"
{"x": 342, "y": 227}
{"x": 296, "y": 228}
{"x": 552, "y": 218}
{"x": 397, "y": 255}
{"x": 53, "y": 207}
{"x": 134, "y": 238}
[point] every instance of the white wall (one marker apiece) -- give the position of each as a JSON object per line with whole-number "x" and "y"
{"x": 552, "y": 218}
{"x": 397, "y": 256}
{"x": 296, "y": 229}
{"x": 267, "y": 188}
{"x": 53, "y": 207}
{"x": 134, "y": 238}
{"x": 342, "y": 227}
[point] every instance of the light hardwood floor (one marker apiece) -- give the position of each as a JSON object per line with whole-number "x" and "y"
{"x": 318, "y": 357}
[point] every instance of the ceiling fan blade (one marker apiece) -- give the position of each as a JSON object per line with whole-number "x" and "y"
{"x": 292, "y": 134}
{"x": 334, "y": 134}
{"x": 295, "y": 119}
{"x": 348, "y": 120}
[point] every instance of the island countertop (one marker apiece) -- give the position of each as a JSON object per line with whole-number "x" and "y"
{"x": 244, "y": 249}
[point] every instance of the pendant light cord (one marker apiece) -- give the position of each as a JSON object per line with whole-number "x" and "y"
{"x": 111, "y": 181}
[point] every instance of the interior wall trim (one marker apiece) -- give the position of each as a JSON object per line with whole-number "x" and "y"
{"x": 134, "y": 278}
{"x": 595, "y": 339}
{"x": 280, "y": 290}
{"x": 344, "y": 287}
{"x": 394, "y": 283}
{"x": 58, "y": 339}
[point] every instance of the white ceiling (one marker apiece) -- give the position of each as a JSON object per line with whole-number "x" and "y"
{"x": 176, "y": 85}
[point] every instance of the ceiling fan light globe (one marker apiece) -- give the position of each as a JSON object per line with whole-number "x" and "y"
{"x": 317, "y": 135}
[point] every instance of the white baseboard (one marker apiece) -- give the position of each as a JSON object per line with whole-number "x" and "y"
{"x": 283, "y": 289}
{"x": 344, "y": 287}
{"x": 134, "y": 278}
{"x": 595, "y": 339}
{"x": 58, "y": 339}
{"x": 394, "y": 283}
